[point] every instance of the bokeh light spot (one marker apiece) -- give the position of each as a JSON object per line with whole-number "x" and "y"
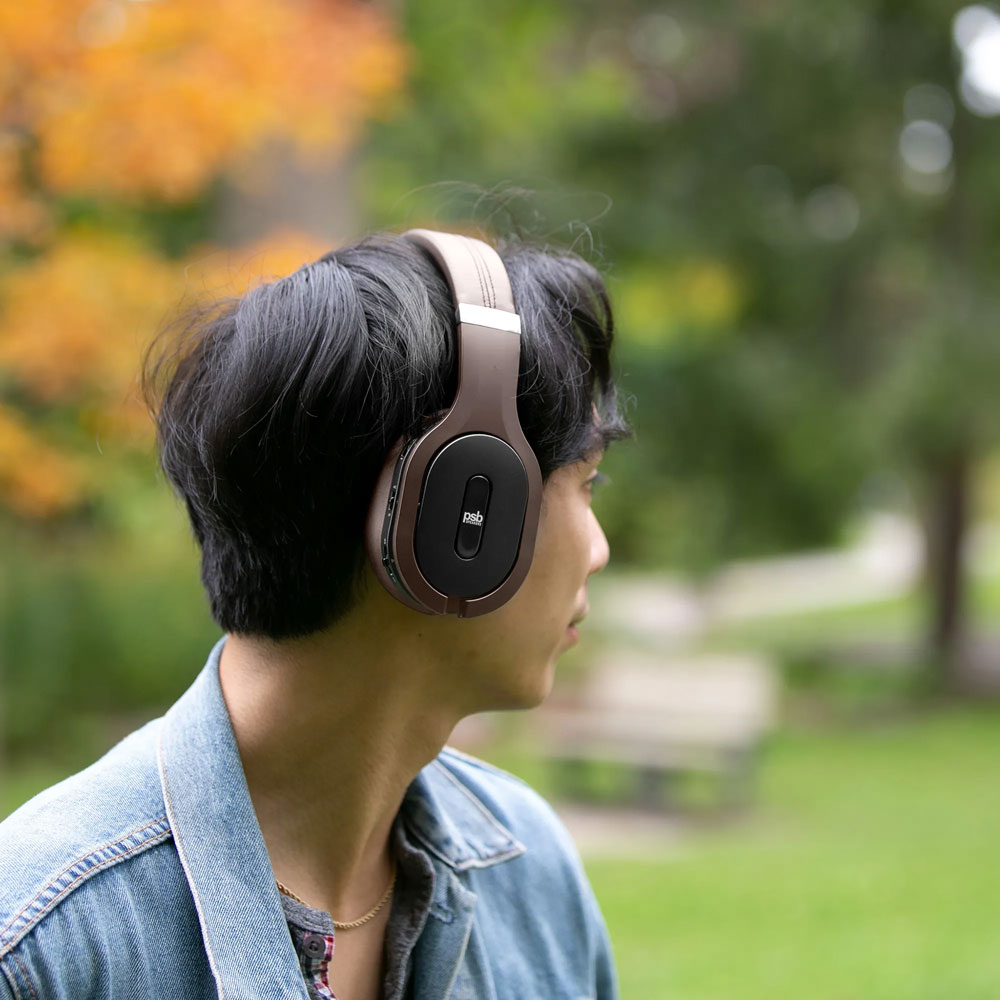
{"x": 832, "y": 213}
{"x": 925, "y": 147}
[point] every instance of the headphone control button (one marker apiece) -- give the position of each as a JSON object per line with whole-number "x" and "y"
{"x": 473, "y": 517}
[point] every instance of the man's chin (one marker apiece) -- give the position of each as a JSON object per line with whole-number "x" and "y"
{"x": 543, "y": 686}
{"x": 532, "y": 691}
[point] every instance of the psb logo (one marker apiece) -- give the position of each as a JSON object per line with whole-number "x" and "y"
{"x": 472, "y": 517}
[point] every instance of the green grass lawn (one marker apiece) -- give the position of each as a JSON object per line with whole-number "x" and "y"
{"x": 868, "y": 870}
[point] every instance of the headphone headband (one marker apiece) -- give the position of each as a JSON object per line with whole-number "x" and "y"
{"x": 474, "y": 270}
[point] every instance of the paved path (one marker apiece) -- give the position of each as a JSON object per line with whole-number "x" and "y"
{"x": 885, "y": 563}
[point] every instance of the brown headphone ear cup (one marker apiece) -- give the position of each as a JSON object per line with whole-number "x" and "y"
{"x": 488, "y": 345}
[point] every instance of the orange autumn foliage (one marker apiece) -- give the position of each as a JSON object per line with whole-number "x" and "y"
{"x": 120, "y": 101}
{"x": 36, "y": 480}
{"x": 72, "y": 331}
{"x": 156, "y": 98}
{"x": 213, "y": 273}
{"x": 74, "y": 320}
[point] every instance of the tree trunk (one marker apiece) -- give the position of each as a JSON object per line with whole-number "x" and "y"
{"x": 946, "y": 529}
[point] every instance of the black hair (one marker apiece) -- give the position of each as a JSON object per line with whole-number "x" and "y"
{"x": 275, "y": 411}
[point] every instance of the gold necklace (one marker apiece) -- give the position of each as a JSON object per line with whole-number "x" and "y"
{"x": 348, "y": 925}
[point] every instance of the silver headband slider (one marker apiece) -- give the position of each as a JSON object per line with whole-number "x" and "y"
{"x": 497, "y": 319}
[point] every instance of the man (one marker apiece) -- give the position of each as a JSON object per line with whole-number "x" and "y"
{"x": 295, "y": 825}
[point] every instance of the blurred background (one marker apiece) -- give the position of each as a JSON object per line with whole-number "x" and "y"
{"x": 776, "y": 742}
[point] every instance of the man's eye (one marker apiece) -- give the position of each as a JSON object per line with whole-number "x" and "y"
{"x": 598, "y": 479}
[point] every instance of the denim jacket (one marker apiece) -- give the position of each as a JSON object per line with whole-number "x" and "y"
{"x": 146, "y": 875}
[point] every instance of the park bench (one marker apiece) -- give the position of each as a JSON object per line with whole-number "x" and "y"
{"x": 659, "y": 719}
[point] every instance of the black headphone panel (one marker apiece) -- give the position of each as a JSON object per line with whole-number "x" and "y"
{"x": 495, "y": 527}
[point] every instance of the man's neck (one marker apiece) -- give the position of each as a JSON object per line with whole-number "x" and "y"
{"x": 331, "y": 730}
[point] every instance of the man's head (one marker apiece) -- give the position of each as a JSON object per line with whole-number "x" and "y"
{"x": 277, "y": 416}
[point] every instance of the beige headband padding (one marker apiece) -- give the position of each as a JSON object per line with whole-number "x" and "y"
{"x": 474, "y": 269}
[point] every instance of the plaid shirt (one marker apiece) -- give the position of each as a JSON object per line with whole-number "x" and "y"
{"x": 313, "y": 932}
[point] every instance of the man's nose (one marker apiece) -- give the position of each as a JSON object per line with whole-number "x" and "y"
{"x": 600, "y": 551}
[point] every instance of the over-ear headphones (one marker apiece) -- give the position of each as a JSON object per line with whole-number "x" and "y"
{"x": 452, "y": 522}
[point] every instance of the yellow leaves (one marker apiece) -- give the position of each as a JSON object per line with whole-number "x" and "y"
{"x": 74, "y": 324}
{"x": 711, "y": 293}
{"x": 36, "y": 480}
{"x": 74, "y": 319}
{"x": 147, "y": 101}
{"x": 215, "y": 273}
{"x": 695, "y": 297}
{"x": 157, "y": 98}
{"x": 24, "y": 216}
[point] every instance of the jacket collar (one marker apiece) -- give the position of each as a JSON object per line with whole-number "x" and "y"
{"x": 222, "y": 850}
{"x": 453, "y": 823}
